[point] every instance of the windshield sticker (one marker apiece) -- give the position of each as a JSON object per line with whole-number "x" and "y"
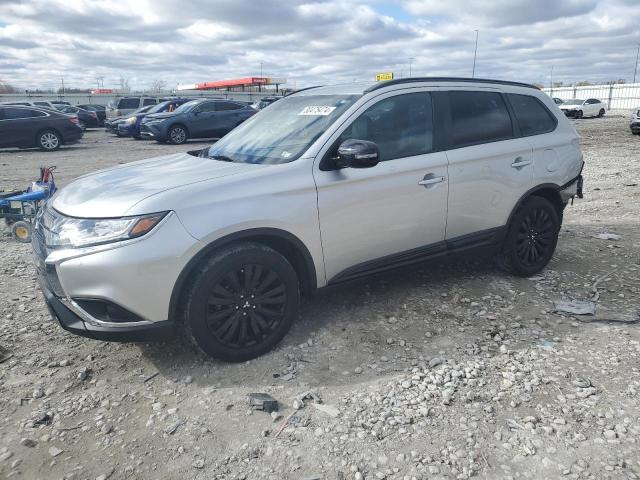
{"x": 317, "y": 110}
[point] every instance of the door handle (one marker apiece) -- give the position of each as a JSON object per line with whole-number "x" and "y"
{"x": 429, "y": 179}
{"x": 519, "y": 163}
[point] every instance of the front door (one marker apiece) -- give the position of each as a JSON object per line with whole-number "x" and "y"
{"x": 394, "y": 211}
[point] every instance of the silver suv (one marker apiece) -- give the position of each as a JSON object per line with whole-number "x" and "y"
{"x": 326, "y": 185}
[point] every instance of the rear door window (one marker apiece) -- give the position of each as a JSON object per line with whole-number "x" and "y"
{"x": 18, "y": 113}
{"x": 41, "y": 104}
{"x": 532, "y": 116}
{"x": 478, "y": 117}
{"x": 149, "y": 101}
{"x": 223, "y": 106}
{"x": 206, "y": 107}
{"x": 128, "y": 103}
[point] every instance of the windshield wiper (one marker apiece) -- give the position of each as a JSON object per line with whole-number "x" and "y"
{"x": 223, "y": 158}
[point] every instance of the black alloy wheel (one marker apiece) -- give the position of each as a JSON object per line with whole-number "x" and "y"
{"x": 531, "y": 238}
{"x": 535, "y": 236}
{"x": 240, "y": 302}
{"x": 246, "y": 305}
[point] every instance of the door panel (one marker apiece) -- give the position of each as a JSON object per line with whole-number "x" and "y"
{"x": 485, "y": 182}
{"x": 489, "y": 169}
{"x": 370, "y": 213}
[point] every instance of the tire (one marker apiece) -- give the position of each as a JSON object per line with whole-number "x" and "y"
{"x": 601, "y": 113}
{"x": 21, "y": 231}
{"x": 579, "y": 114}
{"x": 49, "y": 140}
{"x": 531, "y": 238}
{"x": 240, "y": 302}
{"x": 177, "y": 135}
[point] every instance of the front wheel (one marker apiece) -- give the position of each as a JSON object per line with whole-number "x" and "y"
{"x": 49, "y": 140}
{"x": 579, "y": 114}
{"x": 532, "y": 237}
{"x": 601, "y": 113}
{"x": 177, "y": 135}
{"x": 241, "y": 302}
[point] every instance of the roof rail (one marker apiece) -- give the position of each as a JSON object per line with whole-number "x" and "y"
{"x": 302, "y": 90}
{"x": 446, "y": 79}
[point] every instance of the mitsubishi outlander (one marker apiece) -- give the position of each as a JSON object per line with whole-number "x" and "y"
{"x": 326, "y": 185}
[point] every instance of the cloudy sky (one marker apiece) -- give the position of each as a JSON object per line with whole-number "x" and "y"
{"x": 313, "y": 41}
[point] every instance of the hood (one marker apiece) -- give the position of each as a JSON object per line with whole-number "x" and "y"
{"x": 154, "y": 116}
{"x": 112, "y": 192}
{"x": 567, "y": 106}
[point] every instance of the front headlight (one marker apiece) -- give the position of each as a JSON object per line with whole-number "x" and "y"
{"x": 60, "y": 231}
{"x": 130, "y": 120}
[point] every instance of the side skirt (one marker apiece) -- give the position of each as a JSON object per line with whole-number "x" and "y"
{"x": 492, "y": 237}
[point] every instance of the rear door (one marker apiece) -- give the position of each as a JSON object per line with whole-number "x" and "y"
{"x": 202, "y": 121}
{"x": 228, "y": 116}
{"x": 490, "y": 168}
{"x": 19, "y": 127}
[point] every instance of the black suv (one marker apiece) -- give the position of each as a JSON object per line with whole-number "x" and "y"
{"x": 26, "y": 127}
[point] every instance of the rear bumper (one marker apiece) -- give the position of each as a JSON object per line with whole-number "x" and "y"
{"x": 72, "y": 135}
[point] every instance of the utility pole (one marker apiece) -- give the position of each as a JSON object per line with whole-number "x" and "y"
{"x": 551, "y": 81}
{"x": 475, "y": 54}
{"x": 62, "y": 80}
{"x": 636, "y": 69}
{"x": 411, "y": 59}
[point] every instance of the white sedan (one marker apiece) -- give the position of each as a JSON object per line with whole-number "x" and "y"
{"x": 577, "y": 108}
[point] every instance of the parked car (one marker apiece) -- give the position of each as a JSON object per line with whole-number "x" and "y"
{"x": 130, "y": 127}
{"x": 558, "y": 101}
{"x": 265, "y": 102}
{"x": 86, "y": 118}
{"x": 201, "y": 118}
{"x": 635, "y": 122}
{"x": 126, "y": 105}
{"x": 58, "y": 102}
{"x": 111, "y": 124}
{"x": 577, "y": 108}
{"x": 326, "y": 185}
{"x": 100, "y": 110}
{"x": 34, "y": 103}
{"x": 26, "y": 127}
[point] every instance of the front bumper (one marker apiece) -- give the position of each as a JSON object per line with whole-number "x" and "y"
{"x": 125, "y": 130}
{"x": 152, "y": 131}
{"x": 570, "y": 113}
{"x": 136, "y": 276}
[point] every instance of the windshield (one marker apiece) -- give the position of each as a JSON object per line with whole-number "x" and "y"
{"x": 574, "y": 102}
{"x": 282, "y": 132}
{"x": 186, "y": 107}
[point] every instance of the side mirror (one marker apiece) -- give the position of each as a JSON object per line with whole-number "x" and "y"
{"x": 358, "y": 154}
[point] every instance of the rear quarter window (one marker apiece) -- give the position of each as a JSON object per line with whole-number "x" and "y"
{"x": 478, "y": 117}
{"x": 532, "y": 116}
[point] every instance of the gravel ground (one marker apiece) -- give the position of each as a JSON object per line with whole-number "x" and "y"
{"x": 449, "y": 371}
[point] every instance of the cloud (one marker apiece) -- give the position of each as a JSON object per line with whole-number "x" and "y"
{"x": 312, "y": 41}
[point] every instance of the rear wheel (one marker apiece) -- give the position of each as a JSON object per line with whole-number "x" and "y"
{"x": 21, "y": 231}
{"x": 531, "y": 238}
{"x": 49, "y": 140}
{"x": 177, "y": 135}
{"x": 240, "y": 302}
